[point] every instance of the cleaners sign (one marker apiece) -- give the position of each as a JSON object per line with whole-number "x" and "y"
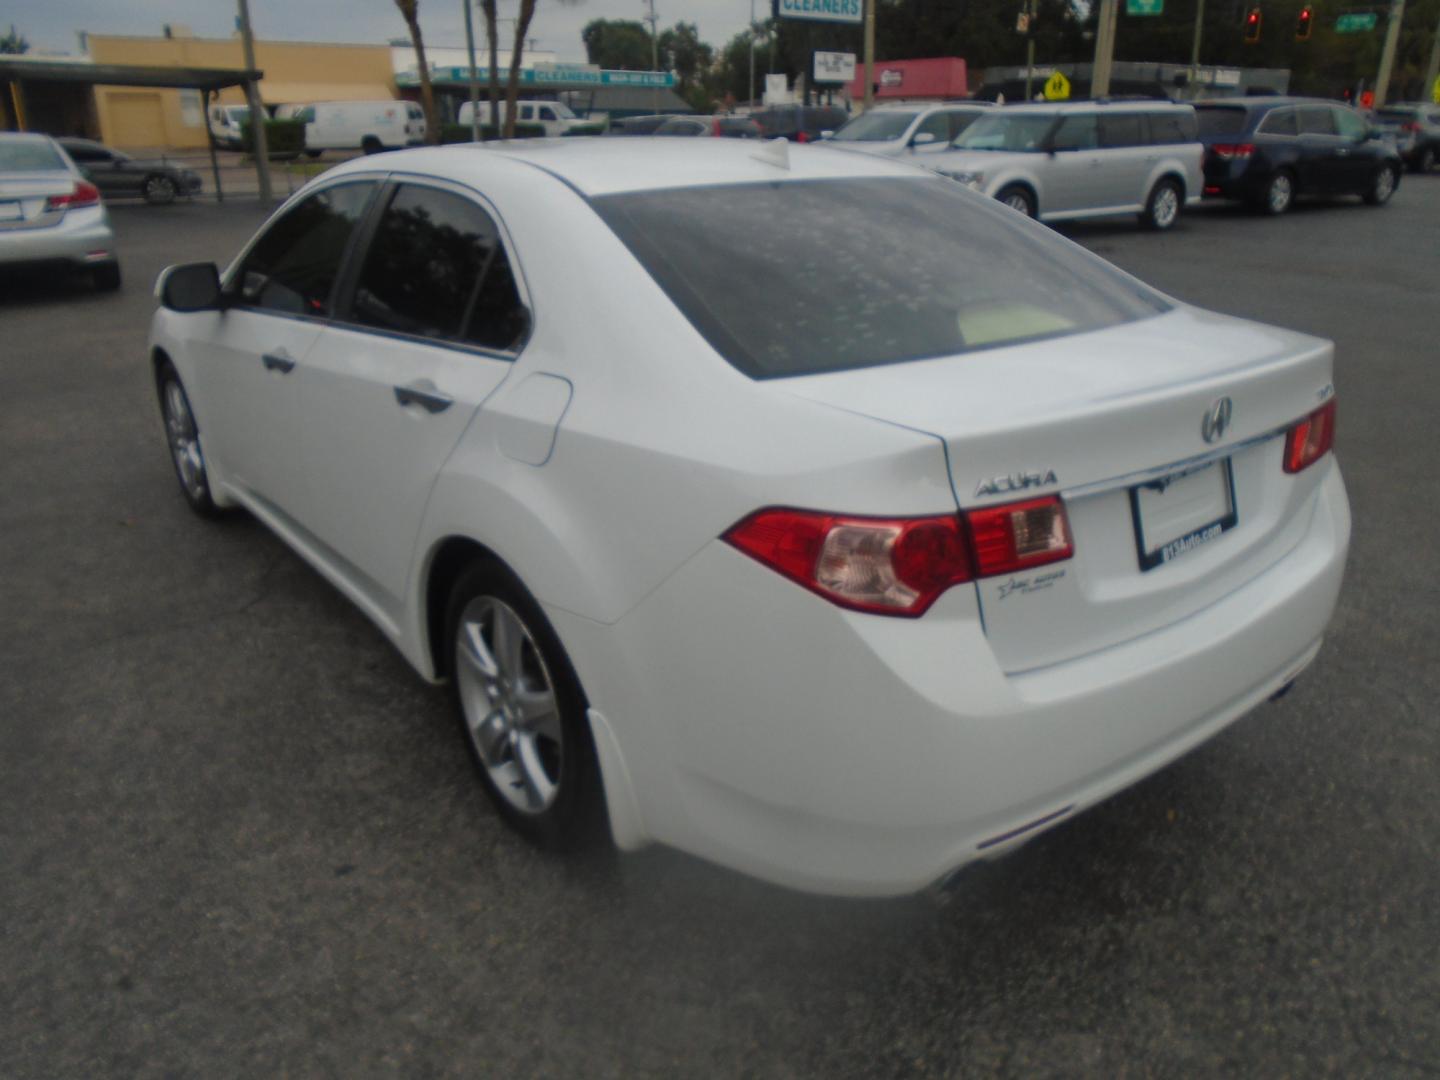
{"x": 841, "y": 11}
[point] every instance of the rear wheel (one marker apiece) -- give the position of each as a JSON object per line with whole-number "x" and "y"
{"x": 1018, "y": 198}
{"x": 1279, "y": 194}
{"x": 106, "y": 277}
{"x": 1382, "y": 186}
{"x": 159, "y": 190}
{"x": 183, "y": 435}
{"x": 1162, "y": 209}
{"x": 313, "y": 153}
{"x": 1426, "y": 161}
{"x": 523, "y": 712}
{"x": 371, "y": 145}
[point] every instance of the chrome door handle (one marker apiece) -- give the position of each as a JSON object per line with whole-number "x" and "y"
{"x": 276, "y": 362}
{"x": 432, "y": 401}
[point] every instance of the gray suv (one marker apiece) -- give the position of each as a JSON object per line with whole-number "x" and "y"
{"x": 1089, "y": 159}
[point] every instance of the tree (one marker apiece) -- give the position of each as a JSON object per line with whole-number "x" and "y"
{"x": 410, "y": 11}
{"x": 492, "y": 36}
{"x": 512, "y": 86}
{"x": 682, "y": 52}
{"x": 12, "y": 44}
{"x": 618, "y": 44}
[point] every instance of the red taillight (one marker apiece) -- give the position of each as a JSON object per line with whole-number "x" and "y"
{"x": 1412, "y": 125}
{"x": 1311, "y": 439}
{"x": 800, "y": 136}
{"x": 900, "y": 566}
{"x": 1233, "y": 151}
{"x": 84, "y": 194}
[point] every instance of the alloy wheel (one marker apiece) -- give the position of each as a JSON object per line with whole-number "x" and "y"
{"x": 1166, "y": 207}
{"x": 511, "y": 710}
{"x": 159, "y": 189}
{"x": 1280, "y": 194}
{"x": 184, "y": 442}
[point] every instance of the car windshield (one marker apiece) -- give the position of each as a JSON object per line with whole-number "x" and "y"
{"x": 30, "y": 155}
{"x": 1023, "y": 133}
{"x": 1220, "y": 120}
{"x": 921, "y": 268}
{"x": 878, "y": 126}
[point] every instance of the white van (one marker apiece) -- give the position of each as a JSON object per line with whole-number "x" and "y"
{"x": 555, "y": 116}
{"x": 225, "y": 121}
{"x": 371, "y": 126}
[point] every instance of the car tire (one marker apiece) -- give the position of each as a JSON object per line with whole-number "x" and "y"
{"x": 106, "y": 277}
{"x": 182, "y": 436}
{"x": 1017, "y": 198}
{"x": 159, "y": 190}
{"x": 1279, "y": 194}
{"x": 371, "y": 145}
{"x": 1426, "y": 161}
{"x": 1382, "y": 186}
{"x": 1162, "y": 209}
{"x": 313, "y": 153}
{"x": 522, "y": 711}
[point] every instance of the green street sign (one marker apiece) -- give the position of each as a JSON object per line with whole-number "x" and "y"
{"x": 1351, "y": 24}
{"x": 1144, "y": 7}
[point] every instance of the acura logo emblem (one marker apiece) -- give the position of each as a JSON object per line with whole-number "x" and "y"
{"x": 1216, "y": 420}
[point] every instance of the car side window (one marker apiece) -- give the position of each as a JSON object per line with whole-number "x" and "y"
{"x": 1351, "y": 125}
{"x": 959, "y": 121}
{"x": 1078, "y": 131}
{"x": 1279, "y": 122}
{"x": 937, "y": 124}
{"x": 547, "y": 114}
{"x": 527, "y": 112}
{"x": 1122, "y": 129}
{"x": 293, "y": 267}
{"x": 1316, "y": 120}
{"x": 1168, "y": 128}
{"x": 437, "y": 269}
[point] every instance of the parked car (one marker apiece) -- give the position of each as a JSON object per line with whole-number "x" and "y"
{"x": 225, "y": 123}
{"x": 799, "y": 123}
{"x": 1417, "y": 130}
{"x": 118, "y": 175}
{"x": 1267, "y": 151}
{"x": 893, "y": 130}
{"x": 50, "y": 215}
{"x": 909, "y": 542}
{"x": 554, "y": 116}
{"x": 370, "y": 126}
{"x": 1088, "y": 159}
{"x": 638, "y": 125}
{"x": 719, "y": 127}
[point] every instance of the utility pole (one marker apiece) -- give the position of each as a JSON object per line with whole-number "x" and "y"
{"x": 752, "y": 53}
{"x": 257, "y": 110}
{"x": 1029, "y": 49}
{"x": 1195, "y": 46}
{"x": 1104, "y": 50}
{"x": 654, "y": 22}
{"x": 474, "y": 77}
{"x": 1432, "y": 69}
{"x": 1387, "y": 57}
{"x": 869, "y": 53}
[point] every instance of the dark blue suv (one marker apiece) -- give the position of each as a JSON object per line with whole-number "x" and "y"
{"x": 1268, "y": 150}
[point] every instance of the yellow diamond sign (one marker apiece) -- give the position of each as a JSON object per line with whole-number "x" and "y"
{"x": 1435, "y": 91}
{"x": 1057, "y": 88}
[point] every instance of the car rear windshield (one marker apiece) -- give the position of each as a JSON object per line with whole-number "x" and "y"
{"x": 29, "y": 155}
{"x": 878, "y": 126}
{"x": 806, "y": 276}
{"x": 1220, "y": 120}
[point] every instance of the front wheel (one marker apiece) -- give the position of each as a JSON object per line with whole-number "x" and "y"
{"x": 371, "y": 145}
{"x": 1162, "y": 209}
{"x": 523, "y": 712}
{"x": 183, "y": 435}
{"x": 1382, "y": 187}
{"x": 159, "y": 190}
{"x": 1017, "y": 198}
{"x": 313, "y": 153}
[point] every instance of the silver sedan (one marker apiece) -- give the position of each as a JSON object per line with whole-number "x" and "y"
{"x": 50, "y": 214}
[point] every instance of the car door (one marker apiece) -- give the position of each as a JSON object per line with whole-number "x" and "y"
{"x": 549, "y": 120}
{"x": 1356, "y": 153}
{"x": 1072, "y": 174}
{"x": 434, "y": 323}
{"x": 1126, "y": 160}
{"x": 1322, "y": 164}
{"x": 277, "y": 301}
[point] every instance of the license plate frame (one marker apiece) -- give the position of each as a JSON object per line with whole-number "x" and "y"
{"x": 1168, "y": 551}
{"x": 11, "y": 210}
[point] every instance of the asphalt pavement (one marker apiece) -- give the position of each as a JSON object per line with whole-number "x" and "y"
{"x": 239, "y": 837}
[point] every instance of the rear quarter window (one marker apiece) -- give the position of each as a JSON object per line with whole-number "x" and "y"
{"x": 1279, "y": 122}
{"x": 1221, "y": 120}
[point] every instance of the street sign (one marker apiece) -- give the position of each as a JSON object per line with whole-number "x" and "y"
{"x": 841, "y": 11}
{"x": 1057, "y": 88}
{"x": 1353, "y": 24}
{"x": 1144, "y": 7}
{"x": 834, "y": 67}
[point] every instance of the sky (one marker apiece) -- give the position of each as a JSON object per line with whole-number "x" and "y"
{"x": 52, "y": 24}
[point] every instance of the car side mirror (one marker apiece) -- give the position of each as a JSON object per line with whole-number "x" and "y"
{"x": 925, "y": 138}
{"x": 189, "y": 287}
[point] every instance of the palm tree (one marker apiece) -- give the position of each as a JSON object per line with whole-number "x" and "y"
{"x": 512, "y": 88}
{"x": 492, "y": 33}
{"x": 410, "y": 11}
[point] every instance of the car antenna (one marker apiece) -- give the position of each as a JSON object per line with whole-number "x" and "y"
{"x": 775, "y": 152}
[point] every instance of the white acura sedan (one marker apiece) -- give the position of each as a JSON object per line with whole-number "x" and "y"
{"x": 801, "y": 510}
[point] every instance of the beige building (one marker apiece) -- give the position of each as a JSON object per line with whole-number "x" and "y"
{"x": 295, "y": 73}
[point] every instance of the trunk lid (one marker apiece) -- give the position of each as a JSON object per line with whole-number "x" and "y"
{"x": 1112, "y": 421}
{"x": 23, "y": 196}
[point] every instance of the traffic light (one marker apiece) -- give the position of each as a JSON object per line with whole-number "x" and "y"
{"x": 1252, "y": 26}
{"x": 1303, "y": 22}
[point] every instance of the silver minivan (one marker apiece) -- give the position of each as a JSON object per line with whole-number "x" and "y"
{"x": 896, "y": 130}
{"x": 1088, "y": 159}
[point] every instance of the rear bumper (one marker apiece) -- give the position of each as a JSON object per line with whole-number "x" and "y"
{"x": 760, "y": 727}
{"x": 81, "y": 238}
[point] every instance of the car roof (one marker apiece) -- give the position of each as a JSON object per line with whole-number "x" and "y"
{"x": 1268, "y": 101}
{"x": 1065, "y": 107}
{"x": 25, "y": 136}
{"x": 595, "y": 167}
